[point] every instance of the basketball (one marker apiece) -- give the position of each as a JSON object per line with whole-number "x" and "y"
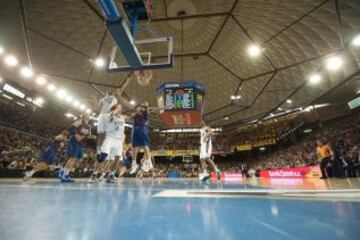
{"x": 143, "y": 77}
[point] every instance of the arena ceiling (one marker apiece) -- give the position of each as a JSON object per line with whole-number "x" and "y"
{"x": 211, "y": 38}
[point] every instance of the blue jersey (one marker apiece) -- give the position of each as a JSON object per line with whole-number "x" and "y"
{"x": 140, "y": 129}
{"x": 49, "y": 155}
{"x": 140, "y": 119}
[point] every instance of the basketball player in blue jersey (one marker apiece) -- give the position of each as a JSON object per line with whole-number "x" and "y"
{"x": 48, "y": 157}
{"x": 205, "y": 152}
{"x": 79, "y": 131}
{"x": 140, "y": 137}
{"x": 104, "y": 105}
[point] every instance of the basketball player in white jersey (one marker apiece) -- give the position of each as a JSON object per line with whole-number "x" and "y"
{"x": 205, "y": 152}
{"x": 112, "y": 146}
{"x": 105, "y": 104}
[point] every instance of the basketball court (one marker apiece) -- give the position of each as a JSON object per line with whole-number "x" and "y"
{"x": 180, "y": 209}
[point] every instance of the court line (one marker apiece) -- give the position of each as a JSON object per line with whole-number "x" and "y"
{"x": 350, "y": 195}
{"x": 273, "y": 228}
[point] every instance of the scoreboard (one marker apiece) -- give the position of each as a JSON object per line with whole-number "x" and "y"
{"x": 181, "y": 103}
{"x": 181, "y": 98}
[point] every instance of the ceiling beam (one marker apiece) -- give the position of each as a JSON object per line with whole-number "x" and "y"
{"x": 222, "y": 26}
{"x": 294, "y": 22}
{"x": 26, "y": 35}
{"x": 225, "y": 67}
{"x": 94, "y": 10}
{"x": 186, "y": 17}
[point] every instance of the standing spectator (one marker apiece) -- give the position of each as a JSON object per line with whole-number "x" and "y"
{"x": 325, "y": 154}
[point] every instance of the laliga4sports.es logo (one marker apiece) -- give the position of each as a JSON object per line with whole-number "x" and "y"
{"x": 281, "y": 173}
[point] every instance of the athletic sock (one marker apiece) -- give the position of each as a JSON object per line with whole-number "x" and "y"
{"x": 30, "y": 173}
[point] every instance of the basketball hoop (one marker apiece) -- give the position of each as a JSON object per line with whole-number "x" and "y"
{"x": 143, "y": 77}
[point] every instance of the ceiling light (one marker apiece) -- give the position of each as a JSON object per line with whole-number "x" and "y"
{"x": 10, "y": 60}
{"x": 289, "y": 101}
{"x": 61, "y": 94}
{"x": 93, "y": 114}
{"x": 235, "y": 97}
{"x": 356, "y": 40}
{"x": 1, "y": 50}
{"x": 82, "y": 107}
{"x": 68, "y": 99}
{"x": 39, "y": 100}
{"x": 88, "y": 111}
{"x": 279, "y": 108}
{"x": 358, "y": 92}
{"x": 226, "y": 118}
{"x": 254, "y": 51}
{"x": 7, "y": 96}
{"x": 99, "y": 62}
{"x": 315, "y": 78}
{"x": 51, "y": 87}
{"x": 26, "y": 72}
{"x": 20, "y": 104}
{"x": 29, "y": 99}
{"x": 334, "y": 63}
{"x": 132, "y": 102}
{"x": 40, "y": 80}
{"x": 76, "y": 103}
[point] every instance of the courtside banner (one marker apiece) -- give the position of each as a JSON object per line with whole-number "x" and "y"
{"x": 295, "y": 172}
{"x": 228, "y": 177}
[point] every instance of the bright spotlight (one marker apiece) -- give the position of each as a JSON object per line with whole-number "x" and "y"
{"x": 254, "y": 51}
{"x": 334, "y": 63}
{"x": 1, "y": 50}
{"x": 132, "y": 102}
{"x": 61, "y": 94}
{"x": 51, "y": 87}
{"x": 40, "y": 80}
{"x": 82, "y": 107}
{"x": 39, "y": 100}
{"x": 289, "y": 101}
{"x": 26, "y": 72}
{"x": 99, "y": 62}
{"x": 356, "y": 41}
{"x": 68, "y": 99}
{"x": 315, "y": 78}
{"x": 10, "y": 60}
{"x": 76, "y": 103}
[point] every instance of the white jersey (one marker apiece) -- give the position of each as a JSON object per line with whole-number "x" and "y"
{"x": 116, "y": 127}
{"x": 107, "y": 103}
{"x": 205, "y": 146}
{"x": 203, "y": 136}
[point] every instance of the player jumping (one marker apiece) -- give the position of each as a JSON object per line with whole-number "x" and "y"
{"x": 140, "y": 138}
{"x": 112, "y": 147}
{"x": 205, "y": 152}
{"x": 105, "y": 104}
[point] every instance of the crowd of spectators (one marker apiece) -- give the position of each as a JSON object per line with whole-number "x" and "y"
{"x": 22, "y": 139}
{"x": 343, "y": 135}
{"x": 26, "y": 120}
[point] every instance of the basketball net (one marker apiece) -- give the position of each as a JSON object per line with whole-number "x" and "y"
{"x": 143, "y": 77}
